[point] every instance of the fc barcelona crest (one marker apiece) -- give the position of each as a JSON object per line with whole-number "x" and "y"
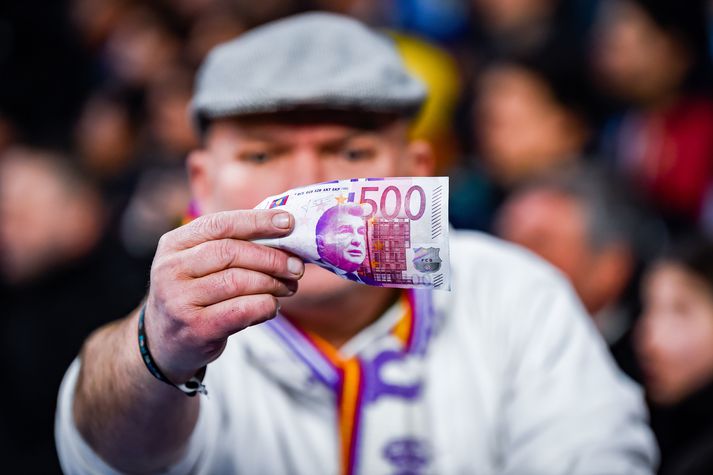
{"x": 426, "y": 259}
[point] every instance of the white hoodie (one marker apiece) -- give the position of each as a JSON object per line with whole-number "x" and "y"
{"x": 505, "y": 374}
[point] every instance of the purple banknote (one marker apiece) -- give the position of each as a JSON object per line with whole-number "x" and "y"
{"x": 389, "y": 232}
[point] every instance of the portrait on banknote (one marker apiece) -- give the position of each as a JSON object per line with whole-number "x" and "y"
{"x": 340, "y": 235}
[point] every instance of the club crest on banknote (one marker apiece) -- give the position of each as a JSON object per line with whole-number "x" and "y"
{"x": 426, "y": 259}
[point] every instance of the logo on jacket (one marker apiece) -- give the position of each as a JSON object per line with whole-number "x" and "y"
{"x": 409, "y": 455}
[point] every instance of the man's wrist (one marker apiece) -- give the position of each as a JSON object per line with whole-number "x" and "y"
{"x": 191, "y": 387}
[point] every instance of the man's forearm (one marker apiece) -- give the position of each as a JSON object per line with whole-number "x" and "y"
{"x": 133, "y": 421}
{"x": 208, "y": 281}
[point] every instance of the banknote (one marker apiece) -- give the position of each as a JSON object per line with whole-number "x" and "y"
{"x": 387, "y": 232}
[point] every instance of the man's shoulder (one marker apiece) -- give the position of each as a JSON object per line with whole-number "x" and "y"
{"x": 491, "y": 273}
{"x": 477, "y": 253}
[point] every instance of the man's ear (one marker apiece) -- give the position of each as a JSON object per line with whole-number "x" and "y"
{"x": 420, "y": 159}
{"x": 200, "y": 178}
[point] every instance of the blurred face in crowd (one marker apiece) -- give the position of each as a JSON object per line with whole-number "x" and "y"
{"x": 168, "y": 123}
{"x": 556, "y": 227}
{"x": 522, "y": 130}
{"x": 209, "y": 29}
{"x": 95, "y": 19}
{"x": 105, "y": 137}
{"x": 45, "y": 218}
{"x": 675, "y": 335}
{"x": 509, "y": 15}
{"x": 635, "y": 58}
{"x": 246, "y": 160}
{"x": 141, "y": 47}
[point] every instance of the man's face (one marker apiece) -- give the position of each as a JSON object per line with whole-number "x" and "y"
{"x": 555, "y": 226}
{"x": 245, "y": 161}
{"x": 343, "y": 243}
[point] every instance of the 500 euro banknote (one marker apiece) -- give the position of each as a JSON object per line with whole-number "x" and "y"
{"x": 388, "y": 232}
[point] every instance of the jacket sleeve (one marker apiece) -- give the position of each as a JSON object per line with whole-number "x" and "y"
{"x": 77, "y": 457}
{"x": 567, "y": 409}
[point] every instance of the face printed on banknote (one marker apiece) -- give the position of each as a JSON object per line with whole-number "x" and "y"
{"x": 341, "y": 237}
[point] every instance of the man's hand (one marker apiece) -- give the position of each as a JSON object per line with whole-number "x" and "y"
{"x": 208, "y": 281}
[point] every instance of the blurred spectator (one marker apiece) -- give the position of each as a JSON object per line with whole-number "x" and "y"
{"x": 528, "y": 28}
{"x": 95, "y": 20}
{"x": 584, "y": 224}
{"x": 675, "y": 345}
{"x": 161, "y": 196}
{"x": 528, "y": 120}
{"x": 106, "y": 133}
{"x": 159, "y": 203}
{"x": 516, "y": 26}
{"x": 213, "y": 26}
{"x": 652, "y": 55}
{"x": 60, "y": 278}
{"x": 529, "y": 117}
{"x": 48, "y": 215}
{"x": 107, "y": 138}
{"x": 169, "y": 135}
{"x": 141, "y": 47}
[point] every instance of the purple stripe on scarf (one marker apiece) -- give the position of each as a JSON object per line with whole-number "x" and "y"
{"x": 319, "y": 367}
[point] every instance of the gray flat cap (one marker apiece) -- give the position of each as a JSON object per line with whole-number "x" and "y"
{"x": 312, "y": 61}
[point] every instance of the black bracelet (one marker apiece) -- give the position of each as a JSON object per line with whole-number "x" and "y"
{"x": 191, "y": 387}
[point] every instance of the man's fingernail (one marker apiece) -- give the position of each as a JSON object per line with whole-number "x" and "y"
{"x": 294, "y": 265}
{"x": 281, "y": 220}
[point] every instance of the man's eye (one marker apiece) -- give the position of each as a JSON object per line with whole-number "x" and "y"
{"x": 257, "y": 157}
{"x": 356, "y": 154}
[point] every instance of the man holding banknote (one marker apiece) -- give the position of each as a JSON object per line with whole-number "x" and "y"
{"x": 503, "y": 374}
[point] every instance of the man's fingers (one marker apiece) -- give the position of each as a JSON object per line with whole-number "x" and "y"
{"x": 214, "y": 256}
{"x": 239, "y": 224}
{"x": 225, "y": 318}
{"x": 231, "y": 283}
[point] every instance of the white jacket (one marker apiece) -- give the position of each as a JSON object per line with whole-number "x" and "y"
{"x": 505, "y": 374}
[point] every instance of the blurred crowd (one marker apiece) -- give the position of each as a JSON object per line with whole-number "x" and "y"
{"x": 580, "y": 129}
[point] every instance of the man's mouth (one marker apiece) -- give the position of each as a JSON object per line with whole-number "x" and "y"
{"x": 355, "y": 253}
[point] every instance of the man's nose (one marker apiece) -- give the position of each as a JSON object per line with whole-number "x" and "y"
{"x": 308, "y": 168}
